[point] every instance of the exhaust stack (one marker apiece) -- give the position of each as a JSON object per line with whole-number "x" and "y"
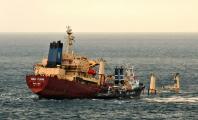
{"x": 102, "y": 72}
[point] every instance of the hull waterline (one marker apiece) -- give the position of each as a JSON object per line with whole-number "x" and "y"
{"x": 54, "y": 88}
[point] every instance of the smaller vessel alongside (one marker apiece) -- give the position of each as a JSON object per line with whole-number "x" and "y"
{"x": 125, "y": 85}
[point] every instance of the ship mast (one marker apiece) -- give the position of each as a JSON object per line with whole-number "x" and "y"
{"x": 69, "y": 40}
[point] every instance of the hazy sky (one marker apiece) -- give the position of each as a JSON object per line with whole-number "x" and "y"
{"x": 99, "y": 15}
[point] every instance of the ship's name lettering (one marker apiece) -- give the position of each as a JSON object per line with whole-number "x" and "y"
{"x": 33, "y": 78}
{"x": 40, "y": 78}
{"x": 37, "y": 79}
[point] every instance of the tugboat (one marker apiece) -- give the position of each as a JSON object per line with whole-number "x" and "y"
{"x": 125, "y": 85}
{"x": 64, "y": 74}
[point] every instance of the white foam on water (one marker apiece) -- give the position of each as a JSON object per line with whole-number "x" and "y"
{"x": 174, "y": 99}
{"x": 120, "y": 101}
{"x": 33, "y": 96}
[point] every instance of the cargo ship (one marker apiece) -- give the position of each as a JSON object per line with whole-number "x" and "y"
{"x": 67, "y": 75}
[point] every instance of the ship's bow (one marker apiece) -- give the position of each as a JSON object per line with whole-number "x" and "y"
{"x": 36, "y": 83}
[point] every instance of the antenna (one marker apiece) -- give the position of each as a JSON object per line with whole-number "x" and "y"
{"x": 69, "y": 39}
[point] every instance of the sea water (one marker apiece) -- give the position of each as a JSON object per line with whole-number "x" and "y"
{"x": 161, "y": 53}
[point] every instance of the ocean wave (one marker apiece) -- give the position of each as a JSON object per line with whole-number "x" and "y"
{"x": 173, "y": 99}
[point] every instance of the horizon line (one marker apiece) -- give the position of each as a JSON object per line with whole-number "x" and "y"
{"x": 94, "y": 32}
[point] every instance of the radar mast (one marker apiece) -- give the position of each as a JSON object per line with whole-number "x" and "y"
{"x": 69, "y": 39}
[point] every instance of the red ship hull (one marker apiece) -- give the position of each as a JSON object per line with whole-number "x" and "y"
{"x": 52, "y": 87}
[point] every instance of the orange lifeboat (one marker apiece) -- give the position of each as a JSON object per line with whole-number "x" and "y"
{"x": 91, "y": 72}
